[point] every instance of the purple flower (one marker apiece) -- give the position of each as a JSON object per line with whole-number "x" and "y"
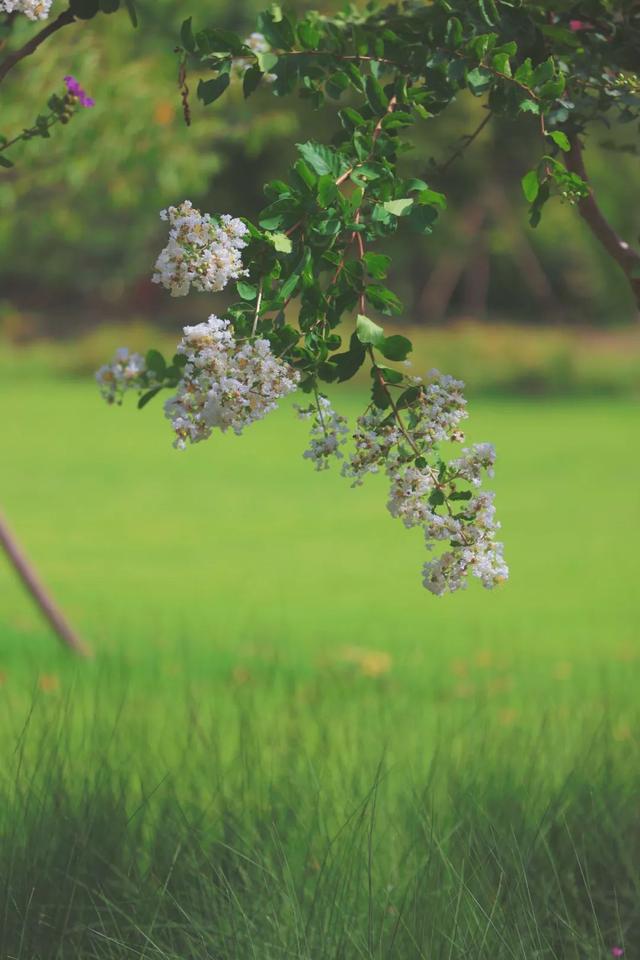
{"x": 617, "y": 952}
{"x": 76, "y": 90}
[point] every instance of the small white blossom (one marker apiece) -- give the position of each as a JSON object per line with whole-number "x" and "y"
{"x": 474, "y": 460}
{"x": 125, "y": 372}
{"x": 439, "y": 409}
{"x": 201, "y": 252}
{"x": 259, "y": 44}
{"x": 224, "y": 384}
{"x": 375, "y": 441}
{"x": 447, "y": 573}
{"x": 424, "y": 491}
{"x": 33, "y": 9}
{"x": 328, "y": 433}
{"x": 475, "y": 549}
{"x": 408, "y": 496}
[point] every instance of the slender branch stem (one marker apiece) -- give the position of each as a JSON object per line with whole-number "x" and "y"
{"x": 32, "y": 45}
{"x": 256, "y": 315}
{"x": 627, "y": 258}
{"x": 376, "y": 133}
{"x": 467, "y": 140}
{"x": 36, "y": 588}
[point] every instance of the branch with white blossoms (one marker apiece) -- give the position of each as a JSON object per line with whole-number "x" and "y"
{"x": 329, "y": 432}
{"x": 311, "y": 247}
{"x": 225, "y": 383}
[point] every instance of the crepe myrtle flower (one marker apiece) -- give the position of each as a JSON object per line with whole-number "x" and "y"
{"x": 617, "y": 952}
{"x": 33, "y": 9}
{"x": 74, "y": 88}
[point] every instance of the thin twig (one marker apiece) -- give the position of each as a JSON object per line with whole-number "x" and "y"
{"x": 624, "y": 255}
{"x": 35, "y": 587}
{"x": 467, "y": 140}
{"x": 32, "y": 45}
{"x": 256, "y": 315}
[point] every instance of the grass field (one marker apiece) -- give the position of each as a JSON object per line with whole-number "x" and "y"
{"x": 286, "y": 748}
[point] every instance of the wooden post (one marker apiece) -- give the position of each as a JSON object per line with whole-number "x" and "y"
{"x": 30, "y": 579}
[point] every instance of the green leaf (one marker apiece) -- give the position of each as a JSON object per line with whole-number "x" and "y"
{"x": 530, "y": 185}
{"x": 560, "y": 139}
{"x": 432, "y": 198}
{"x": 84, "y": 9}
{"x": 500, "y": 62}
{"x": 246, "y": 290}
{"x": 396, "y": 347}
{"x": 186, "y": 36}
{"x": 529, "y": 106}
{"x": 479, "y": 80}
{"x": 454, "y": 32}
{"x": 379, "y": 395}
{"x": 399, "y": 208}
{"x": 5, "y": 162}
{"x": 383, "y": 299}
{"x": 369, "y": 332}
{"x": 221, "y": 41}
{"x": 489, "y": 11}
{"x": 327, "y": 190}
{"x": 544, "y": 72}
{"x": 251, "y": 80}
{"x": 376, "y": 265}
{"x": 320, "y": 157}
{"x": 349, "y": 362}
{"x": 266, "y": 61}
{"x": 281, "y": 242}
{"x": 553, "y": 88}
{"x": 308, "y": 34}
{"x": 288, "y": 287}
{"x": 390, "y": 375}
{"x": 156, "y": 363}
{"x": 146, "y": 397}
{"x": 377, "y": 98}
{"x": 131, "y": 10}
{"x": 210, "y": 90}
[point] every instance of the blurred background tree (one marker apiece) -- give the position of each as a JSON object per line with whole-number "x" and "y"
{"x": 79, "y": 229}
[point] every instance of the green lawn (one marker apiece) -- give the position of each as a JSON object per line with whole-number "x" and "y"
{"x": 285, "y": 747}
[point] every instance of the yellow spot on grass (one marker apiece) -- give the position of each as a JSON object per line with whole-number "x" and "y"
{"x": 48, "y": 682}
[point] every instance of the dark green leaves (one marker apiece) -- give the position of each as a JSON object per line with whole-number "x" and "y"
{"x": 395, "y": 347}
{"x": 376, "y": 97}
{"x": 321, "y": 158}
{"x": 210, "y": 90}
{"x": 479, "y": 80}
{"x": 347, "y": 364}
{"x": 156, "y": 363}
{"x": 84, "y": 9}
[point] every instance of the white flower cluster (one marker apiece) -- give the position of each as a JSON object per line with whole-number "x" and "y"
{"x": 124, "y": 373}
{"x": 259, "y": 44}
{"x": 201, "y": 252}
{"x": 225, "y": 384}
{"x": 424, "y": 490}
{"x": 33, "y": 9}
{"x": 328, "y": 433}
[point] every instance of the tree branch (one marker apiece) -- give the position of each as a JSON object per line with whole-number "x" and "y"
{"x": 30, "y": 579}
{"x": 625, "y": 256}
{"x": 32, "y": 45}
